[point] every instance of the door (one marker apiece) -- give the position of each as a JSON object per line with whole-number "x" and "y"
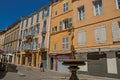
{"x": 51, "y": 63}
{"x": 44, "y": 59}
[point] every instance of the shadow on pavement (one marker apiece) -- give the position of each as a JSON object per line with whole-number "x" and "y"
{"x": 10, "y": 68}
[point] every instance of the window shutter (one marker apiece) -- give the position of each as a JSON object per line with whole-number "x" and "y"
{"x": 70, "y": 22}
{"x": 43, "y": 14}
{"x": 115, "y": 31}
{"x": 81, "y": 37}
{"x": 97, "y": 35}
{"x": 102, "y": 35}
{"x": 61, "y": 25}
{"x": 67, "y": 42}
{"x": 63, "y": 41}
{"x": 47, "y": 11}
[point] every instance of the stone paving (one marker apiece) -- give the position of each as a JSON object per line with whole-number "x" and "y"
{"x": 29, "y": 73}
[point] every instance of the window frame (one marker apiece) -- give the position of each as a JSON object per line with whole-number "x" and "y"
{"x": 80, "y": 12}
{"x": 65, "y": 44}
{"x": 65, "y": 7}
{"x": 100, "y": 11}
{"x": 100, "y": 41}
{"x": 117, "y": 4}
{"x": 82, "y": 33}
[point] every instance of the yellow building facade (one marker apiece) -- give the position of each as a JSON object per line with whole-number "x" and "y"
{"x": 96, "y": 36}
{"x": 61, "y": 34}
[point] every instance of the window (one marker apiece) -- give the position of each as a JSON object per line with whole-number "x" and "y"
{"x": 65, "y": 7}
{"x": 38, "y": 14}
{"x": 97, "y": 5}
{"x": 82, "y": 37}
{"x": 54, "y": 29}
{"x": 19, "y": 46}
{"x": 20, "y": 34}
{"x": 32, "y": 20}
{"x": 22, "y": 24}
{"x": 38, "y": 28}
{"x": 100, "y": 34}
{"x": 55, "y": 47}
{"x": 65, "y": 43}
{"x": 56, "y": 12}
{"x": 115, "y": 31}
{"x": 118, "y": 4}
{"x": 44, "y": 26}
{"x": 26, "y": 22}
{"x": 43, "y": 42}
{"x": 45, "y": 13}
{"x": 67, "y": 23}
{"x": 36, "y": 43}
{"x": 81, "y": 13}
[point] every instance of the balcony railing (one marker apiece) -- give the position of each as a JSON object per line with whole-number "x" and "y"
{"x": 29, "y": 37}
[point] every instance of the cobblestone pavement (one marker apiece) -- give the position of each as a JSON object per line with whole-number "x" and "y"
{"x": 29, "y": 73}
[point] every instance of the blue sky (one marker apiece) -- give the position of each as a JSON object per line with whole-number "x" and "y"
{"x": 11, "y": 10}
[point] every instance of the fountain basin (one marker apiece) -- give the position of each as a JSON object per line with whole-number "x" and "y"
{"x": 73, "y": 66}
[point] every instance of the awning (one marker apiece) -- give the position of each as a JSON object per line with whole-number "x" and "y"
{"x": 103, "y": 49}
{"x": 57, "y": 53}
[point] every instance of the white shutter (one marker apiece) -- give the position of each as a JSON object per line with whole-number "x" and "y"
{"x": 102, "y": 35}
{"x": 97, "y": 35}
{"x": 115, "y": 31}
{"x": 84, "y": 37}
{"x": 81, "y": 37}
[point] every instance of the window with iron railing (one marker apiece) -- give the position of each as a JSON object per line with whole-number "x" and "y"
{"x": 43, "y": 42}
{"x": 37, "y": 19}
{"x": 44, "y": 26}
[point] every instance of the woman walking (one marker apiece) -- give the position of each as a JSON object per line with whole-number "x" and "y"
{"x": 41, "y": 67}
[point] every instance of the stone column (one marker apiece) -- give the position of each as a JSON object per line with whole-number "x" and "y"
{"x": 32, "y": 60}
{"x": 26, "y": 61}
{"x": 37, "y": 59}
{"x": 20, "y": 58}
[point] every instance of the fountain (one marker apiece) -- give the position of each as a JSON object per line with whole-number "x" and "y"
{"x": 73, "y": 63}
{"x": 73, "y": 67}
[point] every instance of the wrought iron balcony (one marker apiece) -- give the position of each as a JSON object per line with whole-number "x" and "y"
{"x": 29, "y": 37}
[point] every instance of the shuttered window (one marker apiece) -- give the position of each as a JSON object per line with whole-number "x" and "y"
{"x": 65, "y": 7}
{"x": 65, "y": 43}
{"x": 115, "y": 31}
{"x": 100, "y": 34}
{"x": 82, "y": 37}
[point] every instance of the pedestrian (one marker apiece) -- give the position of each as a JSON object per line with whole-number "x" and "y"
{"x": 41, "y": 67}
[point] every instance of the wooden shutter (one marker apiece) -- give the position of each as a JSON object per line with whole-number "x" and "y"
{"x": 97, "y": 35}
{"x": 61, "y": 25}
{"x": 115, "y": 31}
{"x": 102, "y": 34}
{"x": 81, "y": 37}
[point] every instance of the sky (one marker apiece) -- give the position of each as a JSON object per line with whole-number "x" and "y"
{"x": 12, "y": 10}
